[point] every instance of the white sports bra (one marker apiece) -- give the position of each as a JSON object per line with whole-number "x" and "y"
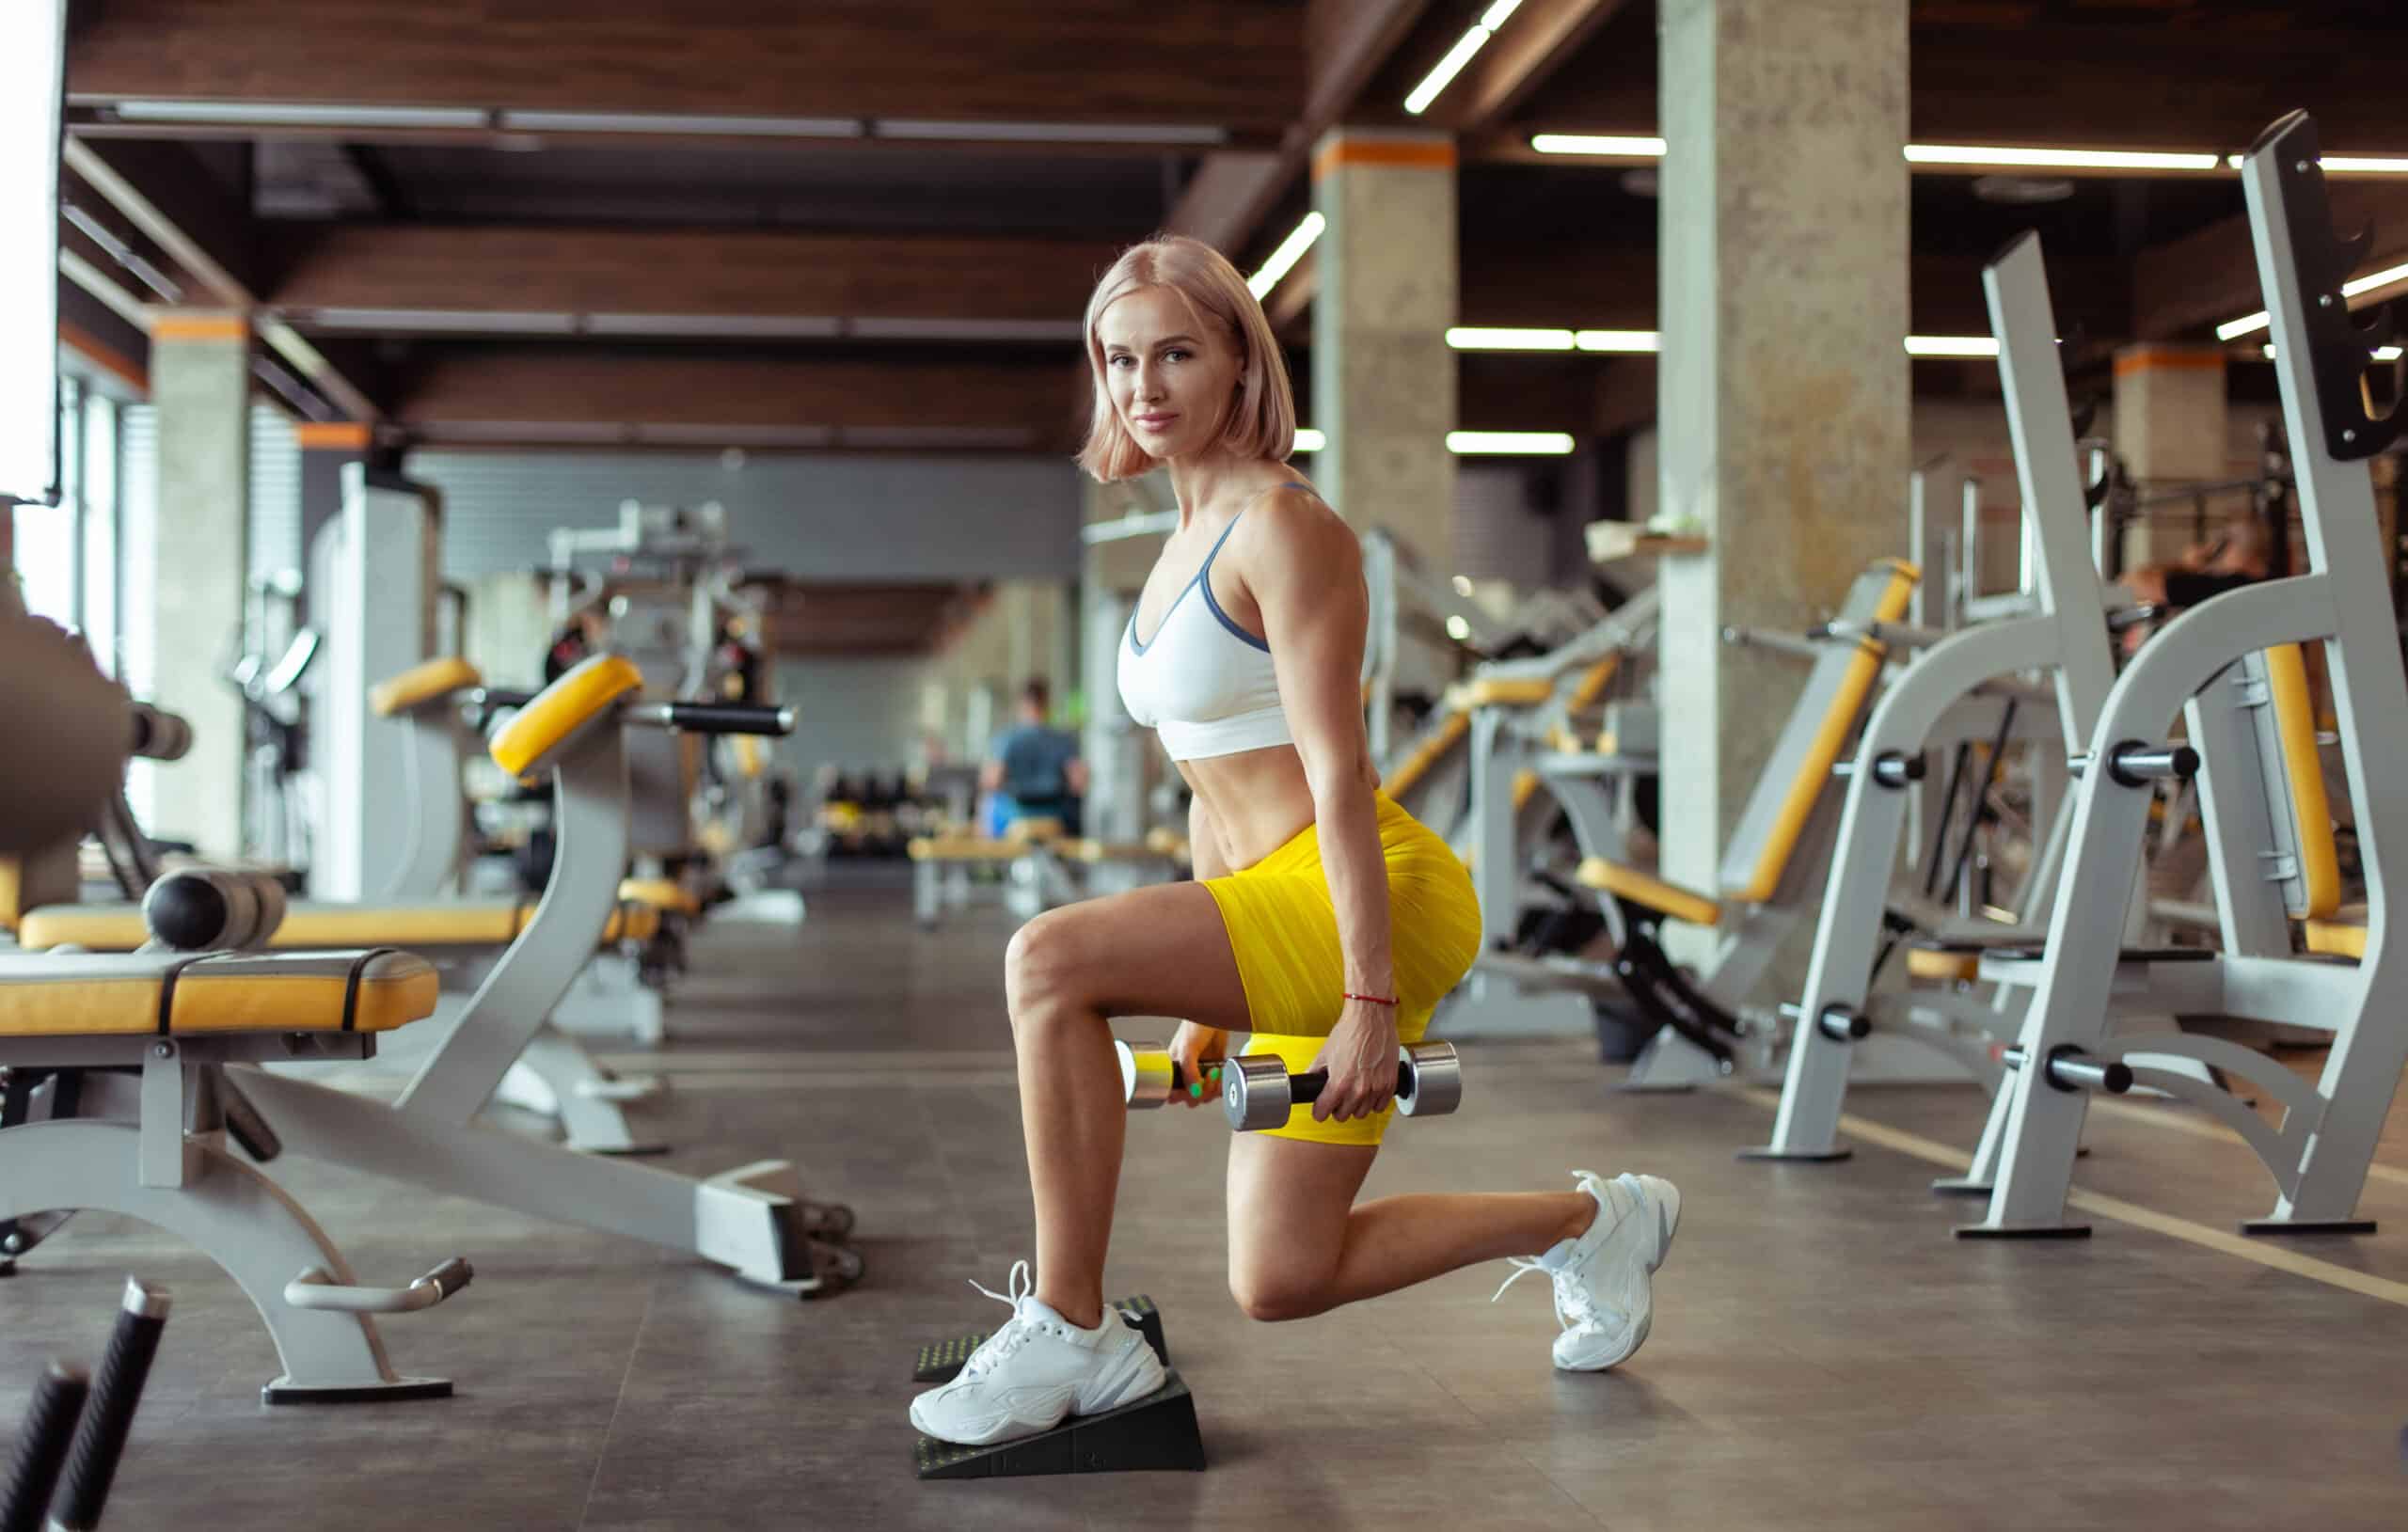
{"x": 1203, "y": 683}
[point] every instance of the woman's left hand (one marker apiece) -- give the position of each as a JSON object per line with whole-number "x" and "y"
{"x": 1360, "y": 1061}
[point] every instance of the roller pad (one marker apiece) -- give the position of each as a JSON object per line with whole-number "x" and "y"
{"x": 941, "y": 1362}
{"x": 1155, "y": 1434}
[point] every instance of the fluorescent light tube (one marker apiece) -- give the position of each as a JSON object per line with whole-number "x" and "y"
{"x": 665, "y": 122}
{"x": 1033, "y": 330}
{"x": 2059, "y": 159}
{"x": 1449, "y": 67}
{"x": 1467, "y": 338}
{"x": 1951, "y": 345}
{"x": 2251, "y": 324}
{"x": 717, "y": 326}
{"x": 1284, "y": 259}
{"x": 1051, "y": 133}
{"x": 1586, "y": 143}
{"x": 2381, "y": 353}
{"x": 1626, "y": 342}
{"x": 1508, "y": 443}
{"x": 299, "y": 115}
{"x": 435, "y": 321}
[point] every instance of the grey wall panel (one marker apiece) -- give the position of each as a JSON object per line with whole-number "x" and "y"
{"x": 852, "y": 517}
{"x": 1496, "y": 537}
{"x": 853, "y": 714}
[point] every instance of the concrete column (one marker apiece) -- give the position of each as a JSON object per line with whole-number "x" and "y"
{"x": 2172, "y": 424}
{"x": 1783, "y": 396}
{"x": 326, "y": 450}
{"x": 1384, "y": 381}
{"x": 193, "y": 580}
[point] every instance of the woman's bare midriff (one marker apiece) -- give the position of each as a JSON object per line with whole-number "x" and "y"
{"x": 1257, "y": 800}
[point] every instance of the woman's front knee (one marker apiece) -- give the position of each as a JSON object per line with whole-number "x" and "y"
{"x": 1040, "y": 968}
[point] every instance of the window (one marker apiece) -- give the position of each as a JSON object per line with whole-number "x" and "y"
{"x": 46, "y": 554}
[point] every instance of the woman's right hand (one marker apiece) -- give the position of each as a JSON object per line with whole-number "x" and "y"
{"x": 1199, "y": 1052}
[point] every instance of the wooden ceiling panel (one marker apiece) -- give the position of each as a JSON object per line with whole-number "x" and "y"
{"x": 973, "y": 60}
{"x": 744, "y": 396}
{"x": 695, "y": 272}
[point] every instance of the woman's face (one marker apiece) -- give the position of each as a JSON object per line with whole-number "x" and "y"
{"x": 1173, "y": 377}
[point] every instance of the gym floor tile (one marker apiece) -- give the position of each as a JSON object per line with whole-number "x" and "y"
{"x": 1824, "y": 1353}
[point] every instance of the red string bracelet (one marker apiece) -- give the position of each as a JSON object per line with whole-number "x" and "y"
{"x": 1376, "y": 999}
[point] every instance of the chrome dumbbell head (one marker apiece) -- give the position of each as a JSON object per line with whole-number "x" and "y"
{"x": 1432, "y": 1079}
{"x": 1148, "y": 1076}
{"x": 1256, "y": 1092}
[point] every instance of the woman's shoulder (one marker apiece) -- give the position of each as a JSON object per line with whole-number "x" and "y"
{"x": 1290, "y": 521}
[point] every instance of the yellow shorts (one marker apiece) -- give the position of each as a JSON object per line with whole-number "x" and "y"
{"x": 1284, "y": 931}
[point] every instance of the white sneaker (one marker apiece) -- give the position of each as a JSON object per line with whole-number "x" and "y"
{"x": 1602, "y": 1295}
{"x": 1038, "y": 1368}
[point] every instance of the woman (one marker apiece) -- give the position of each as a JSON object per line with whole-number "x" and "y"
{"x": 1324, "y": 920}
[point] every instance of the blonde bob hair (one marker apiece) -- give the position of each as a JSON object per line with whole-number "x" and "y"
{"x": 1262, "y": 420}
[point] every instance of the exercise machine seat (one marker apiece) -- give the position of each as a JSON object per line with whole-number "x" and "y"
{"x": 438, "y": 680}
{"x": 470, "y": 922}
{"x": 181, "y": 994}
{"x": 1632, "y": 886}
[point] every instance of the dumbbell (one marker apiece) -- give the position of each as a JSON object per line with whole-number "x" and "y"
{"x": 1257, "y": 1090}
{"x": 214, "y": 908}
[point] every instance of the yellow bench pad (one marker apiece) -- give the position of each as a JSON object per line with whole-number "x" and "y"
{"x": 422, "y": 683}
{"x": 2339, "y": 937}
{"x": 560, "y": 709}
{"x": 1957, "y": 967}
{"x": 1085, "y": 850}
{"x": 1639, "y": 888}
{"x": 965, "y": 848}
{"x": 459, "y": 924}
{"x": 87, "y": 995}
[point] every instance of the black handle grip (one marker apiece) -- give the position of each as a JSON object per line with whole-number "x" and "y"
{"x": 730, "y": 719}
{"x": 450, "y": 1276}
{"x": 1306, "y": 1088}
{"x": 159, "y": 735}
{"x": 116, "y": 1393}
{"x": 42, "y": 1447}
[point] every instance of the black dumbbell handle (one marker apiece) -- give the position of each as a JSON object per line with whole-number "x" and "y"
{"x": 92, "y": 1466}
{"x": 1307, "y": 1087}
{"x": 42, "y": 1447}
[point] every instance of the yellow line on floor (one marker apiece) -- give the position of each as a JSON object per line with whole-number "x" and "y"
{"x": 2275, "y": 1256}
{"x": 2178, "y": 1121}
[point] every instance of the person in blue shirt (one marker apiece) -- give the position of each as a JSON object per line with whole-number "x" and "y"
{"x": 1033, "y": 771}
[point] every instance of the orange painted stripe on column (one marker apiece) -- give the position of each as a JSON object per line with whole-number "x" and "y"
{"x": 200, "y": 327}
{"x": 1417, "y": 153}
{"x": 332, "y": 435}
{"x": 107, "y": 358}
{"x": 2168, "y": 359}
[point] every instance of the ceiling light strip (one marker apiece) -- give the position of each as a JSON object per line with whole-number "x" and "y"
{"x": 1434, "y": 84}
{"x": 1284, "y": 259}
